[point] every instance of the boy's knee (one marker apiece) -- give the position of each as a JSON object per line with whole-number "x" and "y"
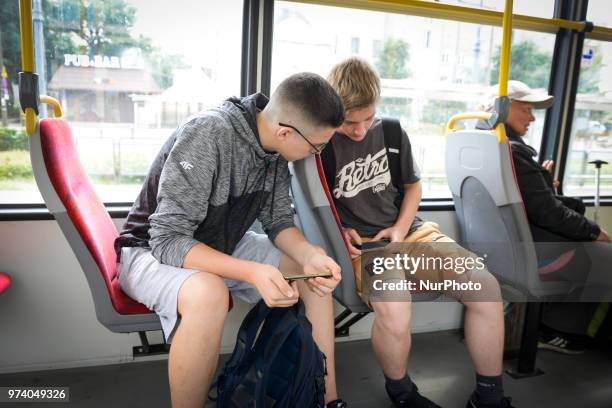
{"x": 393, "y": 317}
{"x": 490, "y": 291}
{"x": 483, "y": 287}
{"x": 203, "y": 293}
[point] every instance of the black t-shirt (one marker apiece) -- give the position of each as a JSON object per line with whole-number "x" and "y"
{"x": 363, "y": 192}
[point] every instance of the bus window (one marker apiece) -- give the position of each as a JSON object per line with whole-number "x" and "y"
{"x": 599, "y": 13}
{"x": 430, "y": 68}
{"x": 126, "y": 75}
{"x": 591, "y": 137}
{"x": 543, "y": 8}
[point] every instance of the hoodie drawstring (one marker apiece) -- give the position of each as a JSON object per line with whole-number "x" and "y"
{"x": 274, "y": 188}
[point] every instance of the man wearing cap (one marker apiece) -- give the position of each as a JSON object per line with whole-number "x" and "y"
{"x": 554, "y": 218}
{"x": 551, "y": 216}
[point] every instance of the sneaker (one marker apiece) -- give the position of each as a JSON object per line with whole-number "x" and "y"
{"x": 559, "y": 343}
{"x": 414, "y": 400}
{"x": 473, "y": 403}
{"x": 338, "y": 403}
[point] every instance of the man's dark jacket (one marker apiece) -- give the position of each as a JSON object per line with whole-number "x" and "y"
{"x": 549, "y": 214}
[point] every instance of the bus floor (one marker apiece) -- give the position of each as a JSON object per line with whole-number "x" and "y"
{"x": 439, "y": 364}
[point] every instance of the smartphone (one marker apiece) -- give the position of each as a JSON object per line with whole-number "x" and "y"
{"x": 301, "y": 277}
{"x": 366, "y": 246}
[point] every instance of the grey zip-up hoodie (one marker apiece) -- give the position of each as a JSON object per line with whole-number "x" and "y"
{"x": 211, "y": 180}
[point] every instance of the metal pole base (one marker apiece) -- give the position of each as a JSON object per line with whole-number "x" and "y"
{"x": 512, "y": 372}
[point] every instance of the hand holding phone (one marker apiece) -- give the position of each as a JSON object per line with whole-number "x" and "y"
{"x": 291, "y": 278}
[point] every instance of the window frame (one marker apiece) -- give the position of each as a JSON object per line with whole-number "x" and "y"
{"x": 257, "y": 36}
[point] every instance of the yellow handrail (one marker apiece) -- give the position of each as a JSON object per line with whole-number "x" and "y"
{"x": 28, "y": 65}
{"x": 450, "y": 125}
{"x": 57, "y": 107}
{"x": 467, "y": 15}
{"x": 31, "y": 120}
{"x": 27, "y": 56}
{"x": 499, "y": 131}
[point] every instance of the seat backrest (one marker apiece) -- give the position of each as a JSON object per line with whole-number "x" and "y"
{"x": 319, "y": 225}
{"x": 489, "y": 207}
{"x": 71, "y": 198}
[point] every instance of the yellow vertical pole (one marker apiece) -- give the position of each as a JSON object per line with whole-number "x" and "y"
{"x": 27, "y": 56}
{"x": 504, "y": 63}
{"x": 27, "y": 41}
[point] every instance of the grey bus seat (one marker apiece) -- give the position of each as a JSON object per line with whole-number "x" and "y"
{"x": 492, "y": 218}
{"x": 320, "y": 225}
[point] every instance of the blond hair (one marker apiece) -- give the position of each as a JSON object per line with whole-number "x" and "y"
{"x": 357, "y": 83}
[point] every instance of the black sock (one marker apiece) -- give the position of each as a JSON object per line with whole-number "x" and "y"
{"x": 489, "y": 390}
{"x": 399, "y": 389}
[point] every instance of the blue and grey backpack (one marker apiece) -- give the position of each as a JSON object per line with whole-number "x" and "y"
{"x": 275, "y": 362}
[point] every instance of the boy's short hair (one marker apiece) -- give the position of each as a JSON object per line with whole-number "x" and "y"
{"x": 313, "y": 97}
{"x": 357, "y": 83}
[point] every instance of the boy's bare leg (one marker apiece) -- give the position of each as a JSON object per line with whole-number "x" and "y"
{"x": 484, "y": 336}
{"x": 391, "y": 336}
{"x": 320, "y": 312}
{"x": 194, "y": 352}
{"x": 484, "y": 323}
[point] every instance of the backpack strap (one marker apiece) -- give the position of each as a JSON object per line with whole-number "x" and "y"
{"x": 392, "y": 131}
{"x": 248, "y": 331}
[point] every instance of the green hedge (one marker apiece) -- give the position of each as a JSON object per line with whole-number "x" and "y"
{"x": 15, "y": 164}
{"x": 12, "y": 139}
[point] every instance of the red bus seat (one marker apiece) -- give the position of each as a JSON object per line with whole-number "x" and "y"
{"x": 5, "y": 282}
{"x": 89, "y": 229}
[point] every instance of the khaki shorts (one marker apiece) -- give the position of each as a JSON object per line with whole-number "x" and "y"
{"x": 426, "y": 241}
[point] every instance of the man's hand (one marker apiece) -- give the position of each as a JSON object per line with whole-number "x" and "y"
{"x": 549, "y": 166}
{"x": 273, "y": 287}
{"x": 393, "y": 234}
{"x": 603, "y": 236}
{"x": 352, "y": 237}
{"x": 318, "y": 262}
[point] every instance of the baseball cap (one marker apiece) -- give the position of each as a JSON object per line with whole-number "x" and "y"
{"x": 520, "y": 92}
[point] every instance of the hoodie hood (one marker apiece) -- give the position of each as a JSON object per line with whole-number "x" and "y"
{"x": 242, "y": 113}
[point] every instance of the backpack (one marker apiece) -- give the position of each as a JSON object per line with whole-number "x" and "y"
{"x": 275, "y": 362}
{"x": 392, "y": 131}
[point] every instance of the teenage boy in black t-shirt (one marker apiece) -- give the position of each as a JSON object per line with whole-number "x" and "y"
{"x": 370, "y": 209}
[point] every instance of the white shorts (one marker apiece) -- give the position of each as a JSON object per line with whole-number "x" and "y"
{"x": 156, "y": 285}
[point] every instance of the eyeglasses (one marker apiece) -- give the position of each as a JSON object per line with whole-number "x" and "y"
{"x": 318, "y": 148}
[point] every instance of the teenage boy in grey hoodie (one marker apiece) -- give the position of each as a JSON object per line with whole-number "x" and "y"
{"x": 186, "y": 245}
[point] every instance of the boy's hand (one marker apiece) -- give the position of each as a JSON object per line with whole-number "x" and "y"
{"x": 352, "y": 237}
{"x": 393, "y": 234}
{"x": 318, "y": 263}
{"x": 273, "y": 287}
